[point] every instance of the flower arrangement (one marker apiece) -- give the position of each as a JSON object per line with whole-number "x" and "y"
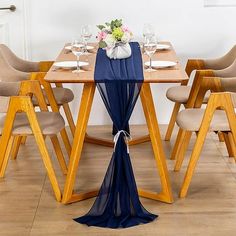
{"x": 113, "y": 33}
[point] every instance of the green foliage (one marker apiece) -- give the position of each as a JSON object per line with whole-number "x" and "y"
{"x": 101, "y": 27}
{"x": 113, "y": 25}
{"x": 116, "y": 24}
{"x": 102, "y": 44}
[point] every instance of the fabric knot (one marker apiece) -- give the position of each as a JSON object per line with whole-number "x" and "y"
{"x": 127, "y": 138}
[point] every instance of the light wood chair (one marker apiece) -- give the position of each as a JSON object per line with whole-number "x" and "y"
{"x": 219, "y": 115}
{"x": 10, "y": 74}
{"x": 62, "y": 95}
{"x": 180, "y": 94}
{"x": 22, "y": 120}
{"x": 196, "y": 100}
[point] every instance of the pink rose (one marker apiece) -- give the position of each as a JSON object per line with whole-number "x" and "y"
{"x": 101, "y": 35}
{"x": 125, "y": 29}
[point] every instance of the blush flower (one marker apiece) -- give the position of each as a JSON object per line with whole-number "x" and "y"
{"x": 101, "y": 35}
{"x": 125, "y": 29}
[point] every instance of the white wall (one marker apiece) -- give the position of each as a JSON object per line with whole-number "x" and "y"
{"x": 194, "y": 31}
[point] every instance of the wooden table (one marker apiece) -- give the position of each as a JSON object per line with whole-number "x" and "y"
{"x": 170, "y": 75}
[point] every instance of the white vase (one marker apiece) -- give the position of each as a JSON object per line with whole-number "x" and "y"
{"x": 119, "y": 51}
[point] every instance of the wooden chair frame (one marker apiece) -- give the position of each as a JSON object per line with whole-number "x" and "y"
{"x": 208, "y": 83}
{"x": 44, "y": 67}
{"x": 39, "y": 76}
{"x": 223, "y": 101}
{"x": 194, "y": 93}
{"x": 33, "y": 88}
{"x": 192, "y": 64}
{"x": 23, "y": 103}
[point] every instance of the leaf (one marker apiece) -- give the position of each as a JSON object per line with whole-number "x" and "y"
{"x": 116, "y": 24}
{"x": 112, "y": 25}
{"x": 101, "y": 27}
{"x": 107, "y": 24}
{"x": 102, "y": 44}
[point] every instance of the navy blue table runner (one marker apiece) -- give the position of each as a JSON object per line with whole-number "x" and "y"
{"x": 117, "y": 204}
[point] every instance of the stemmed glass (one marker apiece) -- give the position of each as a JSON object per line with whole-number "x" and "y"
{"x": 148, "y": 31}
{"x": 86, "y": 34}
{"x": 150, "y": 47}
{"x": 77, "y": 49}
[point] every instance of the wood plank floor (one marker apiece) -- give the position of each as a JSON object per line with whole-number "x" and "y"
{"x": 27, "y": 205}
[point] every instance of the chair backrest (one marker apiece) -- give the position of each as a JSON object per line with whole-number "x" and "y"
{"x": 227, "y": 72}
{"x": 4, "y": 104}
{"x": 222, "y": 62}
{"x": 7, "y": 89}
{"x": 229, "y": 85}
{"x": 16, "y": 62}
{"x": 24, "y": 88}
{"x": 8, "y": 73}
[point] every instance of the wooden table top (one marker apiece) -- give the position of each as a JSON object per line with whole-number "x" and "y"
{"x": 168, "y": 75}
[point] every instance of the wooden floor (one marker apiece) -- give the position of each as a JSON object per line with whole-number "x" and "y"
{"x": 28, "y": 207}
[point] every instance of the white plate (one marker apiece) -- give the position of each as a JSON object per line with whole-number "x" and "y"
{"x": 163, "y": 46}
{"x": 80, "y": 45}
{"x": 161, "y": 64}
{"x": 69, "y": 64}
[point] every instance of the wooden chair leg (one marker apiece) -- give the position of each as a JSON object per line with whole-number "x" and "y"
{"x": 193, "y": 161}
{"x": 23, "y": 140}
{"x": 59, "y": 154}
{"x": 177, "y": 144}
{"x": 233, "y": 145}
{"x": 221, "y": 136}
{"x": 6, "y": 157}
{"x": 69, "y": 117}
{"x": 228, "y": 144}
{"x": 214, "y": 102}
{"x": 182, "y": 150}
{"x": 172, "y": 121}
{"x": 16, "y": 147}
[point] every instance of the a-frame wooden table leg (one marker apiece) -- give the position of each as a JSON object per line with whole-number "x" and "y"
{"x": 149, "y": 110}
{"x": 83, "y": 116}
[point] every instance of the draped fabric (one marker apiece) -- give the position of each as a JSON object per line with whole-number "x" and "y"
{"x": 117, "y": 204}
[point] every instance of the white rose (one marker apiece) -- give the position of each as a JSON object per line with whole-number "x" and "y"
{"x": 110, "y": 41}
{"x": 126, "y": 37}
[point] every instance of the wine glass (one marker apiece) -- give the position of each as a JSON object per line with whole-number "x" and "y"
{"x": 148, "y": 31}
{"x": 77, "y": 49}
{"x": 86, "y": 34}
{"x": 150, "y": 47}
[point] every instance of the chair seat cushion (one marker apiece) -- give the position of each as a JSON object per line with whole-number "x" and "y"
{"x": 62, "y": 96}
{"x": 50, "y": 122}
{"x": 180, "y": 94}
{"x": 190, "y": 119}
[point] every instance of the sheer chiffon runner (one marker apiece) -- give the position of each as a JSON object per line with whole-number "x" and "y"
{"x": 117, "y": 204}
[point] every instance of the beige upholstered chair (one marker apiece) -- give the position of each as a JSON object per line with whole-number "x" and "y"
{"x": 56, "y": 97}
{"x": 62, "y": 95}
{"x": 219, "y": 115}
{"x": 21, "y": 120}
{"x": 197, "y": 91}
{"x": 180, "y": 94}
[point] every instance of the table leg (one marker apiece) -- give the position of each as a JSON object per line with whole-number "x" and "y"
{"x": 82, "y": 121}
{"x": 153, "y": 127}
